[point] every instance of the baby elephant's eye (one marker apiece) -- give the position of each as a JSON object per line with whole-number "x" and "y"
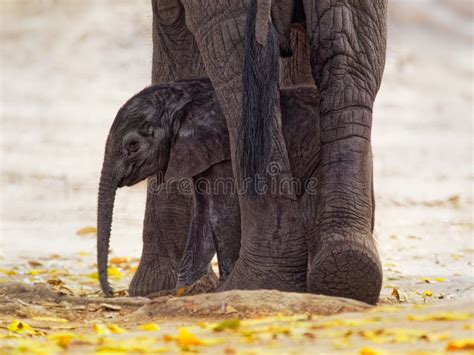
{"x": 133, "y": 146}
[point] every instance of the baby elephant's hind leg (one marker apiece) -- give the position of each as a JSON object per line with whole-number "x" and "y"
{"x": 224, "y": 217}
{"x": 215, "y": 225}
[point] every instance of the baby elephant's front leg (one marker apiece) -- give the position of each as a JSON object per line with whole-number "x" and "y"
{"x": 215, "y": 226}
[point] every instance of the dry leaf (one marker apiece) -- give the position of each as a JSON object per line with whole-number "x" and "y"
{"x": 62, "y": 339}
{"x": 19, "y": 327}
{"x": 149, "y": 327}
{"x": 34, "y": 263}
{"x": 185, "y": 338}
{"x": 180, "y": 291}
{"x": 112, "y": 272}
{"x": 398, "y": 295}
{"x": 460, "y": 344}
{"x": 368, "y": 351}
{"x": 441, "y": 316}
{"x": 55, "y": 282}
{"x": 229, "y": 309}
{"x": 101, "y": 329}
{"x": 86, "y": 231}
{"x": 117, "y": 260}
{"x": 115, "y": 329}
{"x": 111, "y": 307}
{"x": 227, "y": 324}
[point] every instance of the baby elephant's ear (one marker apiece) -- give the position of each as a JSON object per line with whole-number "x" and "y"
{"x": 201, "y": 142}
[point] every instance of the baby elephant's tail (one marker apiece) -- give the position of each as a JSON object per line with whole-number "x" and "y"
{"x": 260, "y": 93}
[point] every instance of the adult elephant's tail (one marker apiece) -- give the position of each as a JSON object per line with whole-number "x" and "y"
{"x": 260, "y": 94}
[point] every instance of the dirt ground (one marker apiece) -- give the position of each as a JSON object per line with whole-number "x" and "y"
{"x": 66, "y": 67}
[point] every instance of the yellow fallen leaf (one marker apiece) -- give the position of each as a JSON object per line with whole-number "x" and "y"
{"x": 118, "y": 260}
{"x": 149, "y": 327}
{"x": 368, "y": 351}
{"x": 431, "y": 279}
{"x": 167, "y": 338}
{"x": 441, "y": 316}
{"x": 115, "y": 329}
{"x": 180, "y": 292}
{"x": 62, "y": 339}
{"x": 101, "y": 329}
{"x": 9, "y": 272}
{"x": 86, "y": 231}
{"x": 427, "y": 293}
{"x": 112, "y": 272}
{"x": 227, "y": 324}
{"x": 185, "y": 338}
{"x": 19, "y": 327}
{"x": 50, "y": 319}
{"x": 460, "y": 344}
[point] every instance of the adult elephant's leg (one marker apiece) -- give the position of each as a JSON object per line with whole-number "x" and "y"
{"x": 167, "y": 214}
{"x": 175, "y": 52}
{"x": 347, "y": 59}
{"x": 273, "y": 247}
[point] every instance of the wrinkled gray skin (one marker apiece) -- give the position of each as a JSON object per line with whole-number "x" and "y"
{"x": 178, "y": 131}
{"x": 336, "y": 255}
{"x": 139, "y": 146}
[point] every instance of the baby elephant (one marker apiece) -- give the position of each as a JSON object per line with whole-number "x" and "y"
{"x": 177, "y": 133}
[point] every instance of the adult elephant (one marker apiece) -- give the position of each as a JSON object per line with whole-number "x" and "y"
{"x": 337, "y": 254}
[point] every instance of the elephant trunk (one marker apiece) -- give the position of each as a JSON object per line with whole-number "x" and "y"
{"x": 107, "y": 190}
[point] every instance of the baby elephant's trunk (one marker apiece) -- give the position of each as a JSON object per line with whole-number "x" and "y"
{"x": 107, "y": 190}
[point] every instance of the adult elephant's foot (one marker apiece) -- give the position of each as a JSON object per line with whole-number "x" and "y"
{"x": 254, "y": 276}
{"x": 154, "y": 274}
{"x": 206, "y": 284}
{"x": 343, "y": 258}
{"x": 273, "y": 253}
{"x": 346, "y": 266}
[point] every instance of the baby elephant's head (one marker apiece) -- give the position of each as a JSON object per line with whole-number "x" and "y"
{"x": 138, "y": 146}
{"x": 140, "y": 139}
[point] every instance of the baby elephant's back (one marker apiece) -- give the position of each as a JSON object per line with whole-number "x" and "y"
{"x": 300, "y": 126}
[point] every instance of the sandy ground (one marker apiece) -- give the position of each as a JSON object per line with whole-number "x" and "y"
{"x": 66, "y": 67}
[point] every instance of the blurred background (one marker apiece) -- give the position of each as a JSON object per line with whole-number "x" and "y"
{"x": 68, "y": 65}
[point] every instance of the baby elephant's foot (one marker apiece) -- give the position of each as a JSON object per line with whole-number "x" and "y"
{"x": 154, "y": 274}
{"x": 346, "y": 267}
